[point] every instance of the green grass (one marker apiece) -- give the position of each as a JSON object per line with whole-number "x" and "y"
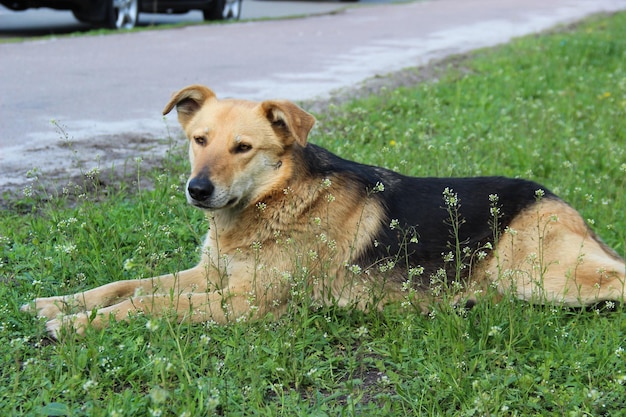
{"x": 551, "y": 108}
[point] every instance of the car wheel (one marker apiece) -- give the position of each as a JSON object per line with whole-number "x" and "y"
{"x": 122, "y": 14}
{"x": 223, "y": 10}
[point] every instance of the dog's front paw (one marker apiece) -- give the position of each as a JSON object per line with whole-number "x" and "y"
{"x": 45, "y": 307}
{"x": 50, "y": 307}
{"x": 75, "y": 323}
{"x": 53, "y": 327}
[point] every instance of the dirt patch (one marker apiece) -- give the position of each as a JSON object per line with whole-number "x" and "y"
{"x": 69, "y": 166}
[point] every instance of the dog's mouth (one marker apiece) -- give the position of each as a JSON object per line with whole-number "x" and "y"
{"x": 207, "y": 205}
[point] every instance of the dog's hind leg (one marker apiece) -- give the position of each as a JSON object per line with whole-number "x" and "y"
{"x": 114, "y": 292}
{"x": 549, "y": 255}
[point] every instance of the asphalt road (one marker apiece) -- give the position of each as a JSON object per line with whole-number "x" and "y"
{"x": 108, "y": 91}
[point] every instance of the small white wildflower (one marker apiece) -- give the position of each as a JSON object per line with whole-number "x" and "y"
{"x": 540, "y": 193}
{"x": 394, "y": 224}
{"x": 415, "y": 271}
{"x": 93, "y": 173}
{"x": 593, "y": 393}
{"x": 33, "y": 174}
{"x": 510, "y": 231}
{"x": 129, "y": 264}
{"x": 386, "y": 266}
{"x": 361, "y": 331}
{"x": 495, "y": 330}
{"x": 68, "y": 248}
{"x": 384, "y": 380}
{"x": 379, "y": 187}
{"x": 152, "y": 325}
{"x": 28, "y": 361}
{"x": 434, "y": 377}
{"x": 89, "y": 384}
{"x": 159, "y": 395}
{"x": 355, "y": 269}
{"x": 450, "y": 197}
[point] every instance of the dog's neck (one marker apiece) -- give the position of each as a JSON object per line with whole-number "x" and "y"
{"x": 276, "y": 213}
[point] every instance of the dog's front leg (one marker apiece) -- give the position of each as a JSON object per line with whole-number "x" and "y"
{"x": 193, "y": 279}
{"x": 218, "y": 306}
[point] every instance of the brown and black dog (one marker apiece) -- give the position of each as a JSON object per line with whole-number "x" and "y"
{"x": 287, "y": 216}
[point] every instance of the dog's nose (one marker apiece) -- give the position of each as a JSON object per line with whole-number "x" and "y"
{"x": 200, "y": 188}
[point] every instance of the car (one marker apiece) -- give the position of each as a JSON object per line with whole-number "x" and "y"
{"x": 122, "y": 14}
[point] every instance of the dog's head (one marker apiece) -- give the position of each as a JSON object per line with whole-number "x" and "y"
{"x": 238, "y": 149}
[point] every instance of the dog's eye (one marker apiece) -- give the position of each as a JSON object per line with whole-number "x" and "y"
{"x": 200, "y": 140}
{"x": 242, "y": 148}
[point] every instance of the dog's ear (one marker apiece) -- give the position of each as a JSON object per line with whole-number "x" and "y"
{"x": 288, "y": 120}
{"x": 188, "y": 101}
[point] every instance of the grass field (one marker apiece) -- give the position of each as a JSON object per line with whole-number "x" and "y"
{"x": 551, "y": 108}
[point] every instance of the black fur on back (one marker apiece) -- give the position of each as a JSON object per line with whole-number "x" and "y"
{"x": 418, "y": 206}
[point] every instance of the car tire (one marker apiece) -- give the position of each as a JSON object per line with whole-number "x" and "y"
{"x": 81, "y": 17}
{"x": 223, "y": 10}
{"x": 121, "y": 14}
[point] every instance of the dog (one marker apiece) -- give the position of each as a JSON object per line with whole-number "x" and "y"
{"x": 289, "y": 218}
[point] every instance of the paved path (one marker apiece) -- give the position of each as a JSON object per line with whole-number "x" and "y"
{"x": 108, "y": 91}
